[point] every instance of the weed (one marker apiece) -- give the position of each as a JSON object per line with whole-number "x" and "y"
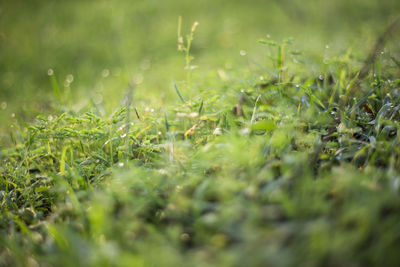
{"x": 185, "y": 48}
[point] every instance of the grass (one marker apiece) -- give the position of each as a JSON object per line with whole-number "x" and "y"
{"x": 137, "y": 40}
{"x": 284, "y": 161}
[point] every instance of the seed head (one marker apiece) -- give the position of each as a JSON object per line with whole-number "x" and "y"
{"x": 180, "y": 43}
{"x": 194, "y": 27}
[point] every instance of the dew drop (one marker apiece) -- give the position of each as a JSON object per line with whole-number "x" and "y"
{"x": 145, "y": 65}
{"x": 217, "y": 131}
{"x": 138, "y": 78}
{"x": 105, "y": 73}
{"x": 243, "y": 52}
{"x": 194, "y": 114}
{"x": 245, "y": 131}
{"x": 70, "y": 78}
{"x": 98, "y": 99}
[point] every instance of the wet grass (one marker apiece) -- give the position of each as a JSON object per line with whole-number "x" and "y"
{"x": 279, "y": 167}
{"x": 267, "y": 154}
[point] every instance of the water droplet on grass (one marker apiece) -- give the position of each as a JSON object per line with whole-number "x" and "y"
{"x": 105, "y": 73}
{"x": 98, "y": 99}
{"x": 50, "y": 72}
{"x": 138, "y": 78}
{"x": 243, "y": 52}
{"x": 70, "y": 78}
{"x": 217, "y": 131}
{"x": 245, "y": 131}
{"x": 145, "y": 65}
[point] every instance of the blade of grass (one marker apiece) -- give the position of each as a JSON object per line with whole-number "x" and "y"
{"x": 179, "y": 93}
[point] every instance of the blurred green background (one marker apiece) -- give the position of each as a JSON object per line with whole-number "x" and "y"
{"x": 96, "y": 48}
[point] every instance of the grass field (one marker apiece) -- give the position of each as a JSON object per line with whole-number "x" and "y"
{"x": 177, "y": 133}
